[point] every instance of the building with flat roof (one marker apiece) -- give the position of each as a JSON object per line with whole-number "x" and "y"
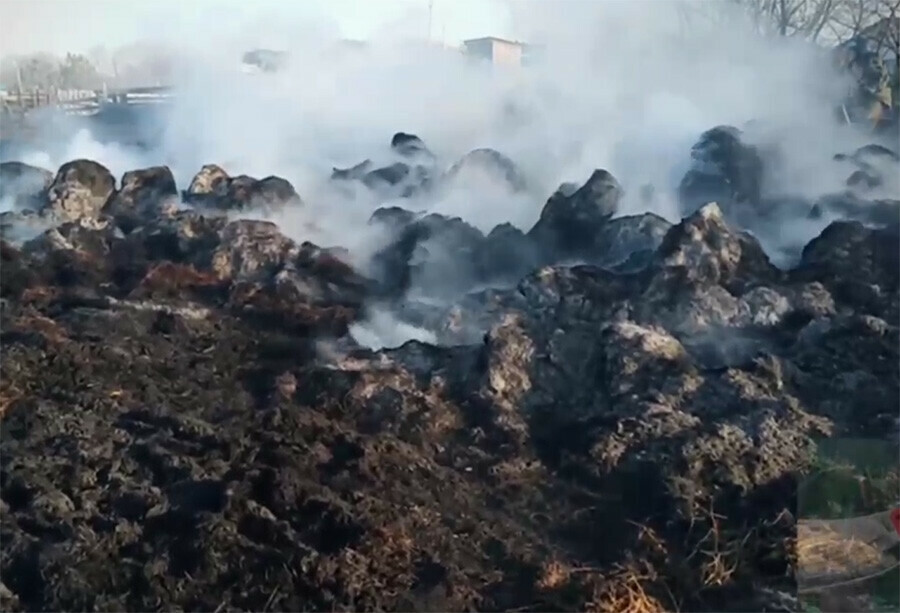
{"x": 495, "y": 50}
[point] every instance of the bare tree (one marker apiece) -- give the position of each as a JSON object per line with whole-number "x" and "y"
{"x": 77, "y": 72}
{"x": 38, "y": 71}
{"x": 887, "y": 29}
{"x": 801, "y": 18}
{"x": 888, "y": 35}
{"x": 869, "y": 32}
{"x": 45, "y": 72}
{"x": 852, "y": 18}
{"x": 876, "y": 21}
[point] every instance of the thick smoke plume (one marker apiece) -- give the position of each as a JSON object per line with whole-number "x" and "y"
{"x": 626, "y": 86}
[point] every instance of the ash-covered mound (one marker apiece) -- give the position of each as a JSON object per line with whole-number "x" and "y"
{"x": 726, "y": 171}
{"x": 188, "y": 421}
{"x": 213, "y": 189}
{"x": 487, "y": 165}
{"x": 407, "y": 171}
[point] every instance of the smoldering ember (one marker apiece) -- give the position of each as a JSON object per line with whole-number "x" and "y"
{"x": 605, "y": 411}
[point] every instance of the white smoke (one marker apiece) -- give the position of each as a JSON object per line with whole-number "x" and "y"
{"x": 382, "y": 329}
{"x": 118, "y": 158}
{"x": 626, "y": 86}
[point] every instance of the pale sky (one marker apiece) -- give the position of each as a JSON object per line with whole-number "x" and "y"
{"x": 58, "y": 26}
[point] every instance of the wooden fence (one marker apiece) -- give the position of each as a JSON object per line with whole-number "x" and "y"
{"x": 79, "y": 101}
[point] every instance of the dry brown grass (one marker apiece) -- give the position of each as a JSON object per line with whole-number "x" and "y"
{"x": 170, "y": 279}
{"x": 554, "y": 574}
{"x": 39, "y": 294}
{"x": 624, "y": 592}
{"x": 648, "y": 537}
{"x": 720, "y": 554}
{"x": 8, "y": 395}
{"x": 822, "y": 550}
{"x": 515, "y": 470}
{"x": 46, "y": 327}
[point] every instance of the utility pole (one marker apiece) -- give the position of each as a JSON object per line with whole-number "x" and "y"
{"x": 430, "y": 11}
{"x": 19, "y": 80}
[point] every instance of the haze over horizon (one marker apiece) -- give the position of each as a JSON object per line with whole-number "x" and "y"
{"x": 46, "y": 25}
{"x": 626, "y": 86}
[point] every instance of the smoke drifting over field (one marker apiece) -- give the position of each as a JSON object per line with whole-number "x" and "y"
{"x": 404, "y": 331}
{"x": 625, "y": 86}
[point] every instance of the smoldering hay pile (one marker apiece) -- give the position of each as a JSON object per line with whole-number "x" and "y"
{"x": 610, "y": 412}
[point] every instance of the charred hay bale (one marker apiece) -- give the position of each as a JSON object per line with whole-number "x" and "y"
{"x": 860, "y": 266}
{"x": 210, "y": 181}
{"x": 143, "y": 195}
{"x": 409, "y": 145}
{"x": 79, "y": 191}
{"x": 708, "y": 252}
{"x": 487, "y": 165}
{"x": 433, "y": 253}
{"x": 251, "y": 249}
{"x": 725, "y": 170}
{"x": 570, "y": 222}
{"x": 213, "y": 190}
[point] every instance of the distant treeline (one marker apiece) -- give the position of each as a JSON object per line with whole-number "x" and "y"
{"x": 43, "y": 71}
